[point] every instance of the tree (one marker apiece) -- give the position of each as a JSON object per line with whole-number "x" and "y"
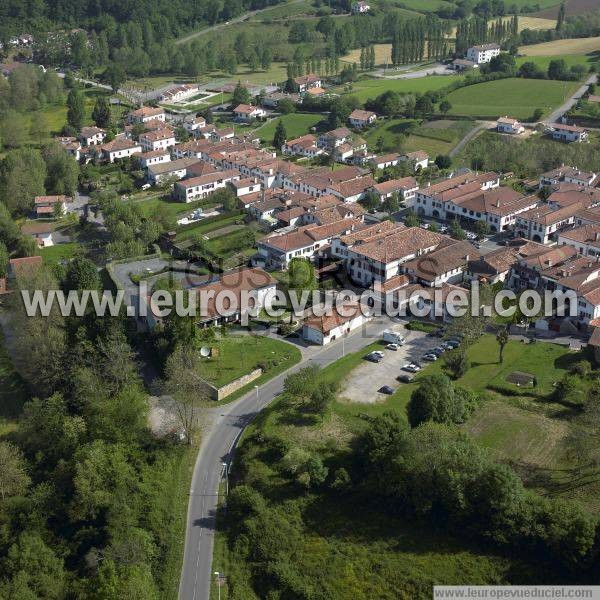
{"x": 456, "y": 231}
{"x": 184, "y": 383}
{"x": 241, "y": 95}
{"x": 443, "y": 161}
{"x": 62, "y": 170}
{"x": 502, "y": 339}
{"x": 557, "y": 69}
{"x": 437, "y": 400}
{"x": 560, "y": 20}
{"x": 14, "y": 479}
{"x": 115, "y": 76}
{"x": 101, "y": 112}
{"x": 76, "y": 109}
{"x": 424, "y": 106}
{"x": 280, "y": 136}
{"x": 301, "y": 274}
{"x": 456, "y": 362}
{"x": 40, "y": 127}
{"x": 445, "y": 107}
{"x": 411, "y": 218}
{"x": 286, "y": 106}
{"x": 482, "y": 228}
{"x": 22, "y": 177}
{"x": 82, "y": 274}
{"x": 391, "y": 204}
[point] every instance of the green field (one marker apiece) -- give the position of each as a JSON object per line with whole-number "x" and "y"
{"x": 424, "y": 5}
{"x": 517, "y": 98}
{"x": 436, "y": 137}
{"x": 296, "y": 124}
{"x": 239, "y": 355}
{"x": 587, "y": 60}
{"x": 206, "y": 227}
{"x": 371, "y": 88}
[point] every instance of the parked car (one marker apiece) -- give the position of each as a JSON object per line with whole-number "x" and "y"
{"x": 386, "y": 389}
{"x": 430, "y": 357}
{"x": 453, "y": 344}
{"x": 373, "y": 357}
{"x": 411, "y": 368}
{"x": 438, "y": 351}
{"x": 404, "y": 378}
{"x": 379, "y": 353}
{"x": 393, "y": 347}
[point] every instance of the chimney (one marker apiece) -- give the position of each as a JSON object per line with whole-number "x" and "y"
{"x": 549, "y": 262}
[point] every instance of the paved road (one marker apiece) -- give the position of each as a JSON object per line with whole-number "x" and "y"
{"x": 239, "y": 19}
{"x": 436, "y": 69}
{"x": 559, "y": 112}
{"x": 223, "y": 428}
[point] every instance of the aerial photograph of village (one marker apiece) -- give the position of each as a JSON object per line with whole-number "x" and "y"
{"x": 299, "y": 299}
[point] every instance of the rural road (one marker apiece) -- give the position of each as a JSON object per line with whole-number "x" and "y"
{"x": 223, "y": 429}
{"x": 559, "y": 112}
{"x": 470, "y": 135}
{"x": 239, "y": 19}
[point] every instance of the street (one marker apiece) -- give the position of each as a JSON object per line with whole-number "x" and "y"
{"x": 225, "y": 425}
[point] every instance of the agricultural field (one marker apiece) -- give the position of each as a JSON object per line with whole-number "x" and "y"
{"x": 371, "y": 88}
{"x": 574, "y": 7}
{"x": 285, "y": 11}
{"x": 587, "y": 60}
{"x": 239, "y": 355}
{"x": 560, "y": 47}
{"x": 295, "y": 124}
{"x": 424, "y": 5}
{"x": 518, "y": 98}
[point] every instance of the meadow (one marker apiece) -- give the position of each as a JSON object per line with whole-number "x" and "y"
{"x": 296, "y": 125}
{"x": 518, "y": 98}
{"x": 565, "y": 46}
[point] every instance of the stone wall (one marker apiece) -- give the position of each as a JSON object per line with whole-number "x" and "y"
{"x": 219, "y": 393}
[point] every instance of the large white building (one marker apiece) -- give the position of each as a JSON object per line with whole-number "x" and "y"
{"x": 483, "y": 53}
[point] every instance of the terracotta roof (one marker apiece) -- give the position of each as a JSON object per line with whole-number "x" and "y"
{"x": 245, "y": 109}
{"x": 316, "y": 91}
{"x": 508, "y": 121}
{"x": 154, "y": 153}
{"x": 159, "y": 134}
{"x": 208, "y": 178}
{"x": 49, "y": 199}
{"x": 328, "y": 322}
{"x": 27, "y": 264}
{"x": 147, "y": 111}
{"x": 440, "y": 261}
{"x": 573, "y": 128}
{"x": 119, "y": 144}
{"x": 594, "y": 340}
{"x": 588, "y": 234}
{"x": 305, "y": 79}
{"x": 361, "y": 115}
{"x": 394, "y": 185}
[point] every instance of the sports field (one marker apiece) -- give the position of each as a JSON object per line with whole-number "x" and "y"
{"x": 518, "y": 98}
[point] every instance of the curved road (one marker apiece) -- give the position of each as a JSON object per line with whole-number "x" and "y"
{"x": 239, "y": 19}
{"x": 225, "y": 426}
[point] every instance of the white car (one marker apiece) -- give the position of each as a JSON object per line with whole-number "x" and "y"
{"x": 378, "y": 353}
{"x": 430, "y": 357}
{"x": 393, "y": 347}
{"x": 411, "y": 368}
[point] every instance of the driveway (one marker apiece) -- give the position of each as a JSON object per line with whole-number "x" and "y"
{"x": 362, "y": 383}
{"x": 559, "y": 112}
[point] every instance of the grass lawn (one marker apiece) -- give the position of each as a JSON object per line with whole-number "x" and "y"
{"x": 517, "y": 98}
{"x": 169, "y": 206}
{"x": 232, "y": 242}
{"x": 206, "y": 227}
{"x": 295, "y": 124}
{"x": 371, "y": 88}
{"x": 58, "y": 252}
{"x": 13, "y": 392}
{"x": 587, "y": 60}
{"x": 241, "y": 354}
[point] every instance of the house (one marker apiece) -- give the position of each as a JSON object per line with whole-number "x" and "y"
{"x": 145, "y": 114}
{"x": 192, "y": 125}
{"x": 568, "y": 133}
{"x": 157, "y": 140}
{"x": 585, "y": 239}
{"x": 275, "y": 251}
{"x": 446, "y": 264}
{"x": 418, "y": 159}
{"x": 154, "y": 157}
{"x": 194, "y": 188}
{"x": 333, "y": 324}
{"x": 169, "y": 171}
{"x": 120, "y": 148}
{"x": 495, "y": 266}
{"x": 272, "y": 100}
{"x": 483, "y": 53}
{"x": 40, "y": 232}
{"x": 385, "y": 160}
{"x": 23, "y": 267}
{"x": 566, "y": 174}
{"x": 178, "y": 93}
{"x": 92, "y": 136}
{"x": 305, "y": 145}
{"x": 376, "y": 253}
{"x": 332, "y": 139}
{"x": 406, "y": 188}
{"x": 245, "y": 112}
{"x": 362, "y": 118}
{"x": 508, "y": 125}
{"x": 542, "y": 223}
{"x": 243, "y": 187}
{"x": 48, "y": 206}
{"x": 360, "y": 8}
{"x": 316, "y": 92}
{"x": 219, "y": 135}
{"x": 352, "y": 190}
{"x": 460, "y": 64}
{"x": 306, "y": 82}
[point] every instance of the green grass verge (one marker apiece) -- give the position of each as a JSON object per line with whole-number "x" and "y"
{"x": 59, "y": 252}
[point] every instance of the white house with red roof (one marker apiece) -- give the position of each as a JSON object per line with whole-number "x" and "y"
{"x": 246, "y": 112}
{"x": 45, "y": 206}
{"x": 362, "y": 118}
{"x": 568, "y": 133}
{"x": 145, "y": 114}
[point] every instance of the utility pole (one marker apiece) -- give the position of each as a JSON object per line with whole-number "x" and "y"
{"x": 226, "y": 473}
{"x": 256, "y": 388}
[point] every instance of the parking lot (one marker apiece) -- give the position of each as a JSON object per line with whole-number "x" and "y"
{"x": 362, "y": 383}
